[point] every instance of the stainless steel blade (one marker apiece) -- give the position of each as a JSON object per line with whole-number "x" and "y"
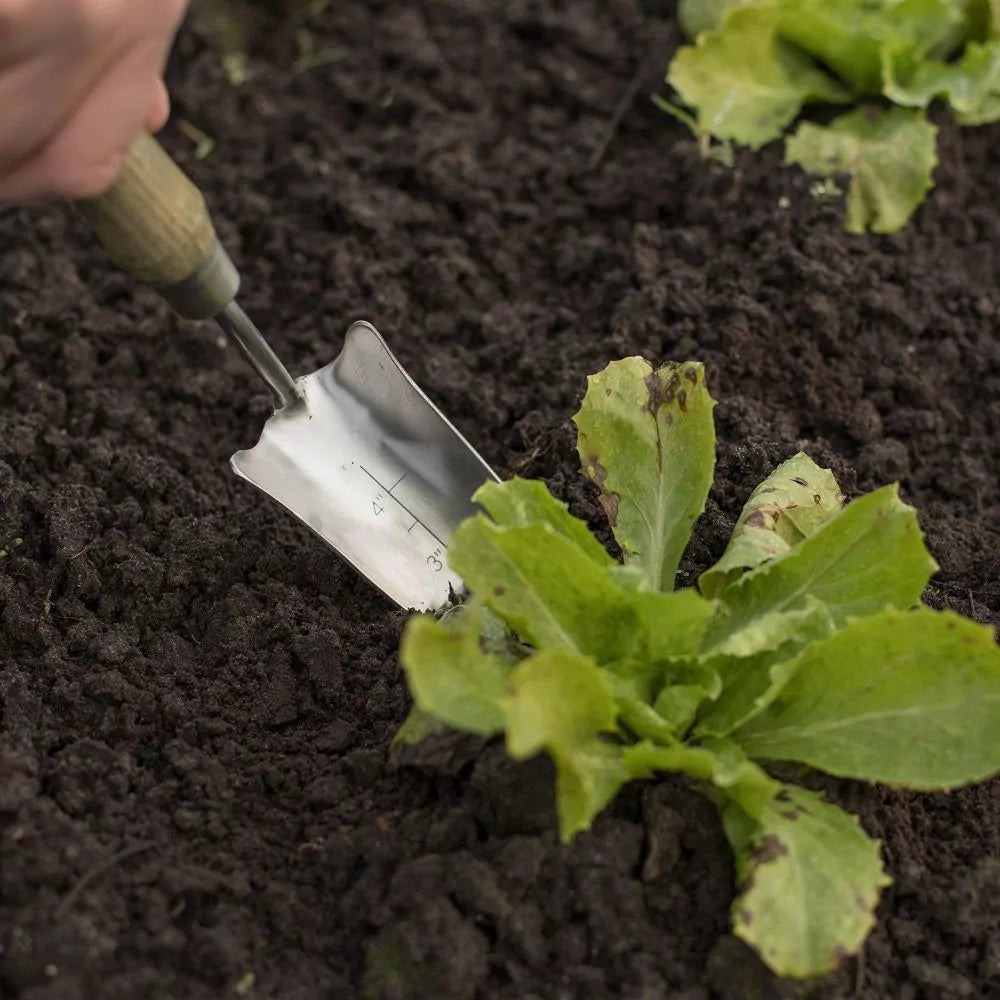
{"x": 368, "y": 462}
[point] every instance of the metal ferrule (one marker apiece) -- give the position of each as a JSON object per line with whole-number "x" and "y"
{"x": 208, "y": 291}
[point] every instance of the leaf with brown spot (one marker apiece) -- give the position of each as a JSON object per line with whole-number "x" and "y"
{"x": 647, "y": 440}
{"x": 867, "y": 557}
{"x": 793, "y": 502}
{"x": 810, "y": 877}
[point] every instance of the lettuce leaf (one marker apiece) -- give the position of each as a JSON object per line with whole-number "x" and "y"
{"x": 746, "y": 84}
{"x": 451, "y": 678}
{"x": 792, "y": 503}
{"x": 849, "y": 36}
{"x": 809, "y": 877}
{"x": 904, "y": 698}
{"x": 754, "y": 66}
{"x": 869, "y": 556}
{"x": 970, "y": 85}
{"x": 647, "y": 439}
{"x": 890, "y": 155}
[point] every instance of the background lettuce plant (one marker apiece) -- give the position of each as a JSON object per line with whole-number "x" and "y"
{"x": 805, "y": 642}
{"x": 755, "y": 64}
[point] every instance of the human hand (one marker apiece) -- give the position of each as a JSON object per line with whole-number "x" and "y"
{"x": 79, "y": 80}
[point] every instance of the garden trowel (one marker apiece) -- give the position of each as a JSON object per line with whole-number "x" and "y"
{"x": 355, "y": 449}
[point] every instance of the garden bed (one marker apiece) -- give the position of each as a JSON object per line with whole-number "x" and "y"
{"x": 196, "y": 696}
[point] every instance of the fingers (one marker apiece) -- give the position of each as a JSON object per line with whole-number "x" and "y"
{"x": 73, "y": 103}
{"x": 52, "y": 53}
{"x": 27, "y": 24}
{"x": 84, "y": 157}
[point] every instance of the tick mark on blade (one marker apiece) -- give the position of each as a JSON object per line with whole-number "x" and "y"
{"x": 387, "y": 490}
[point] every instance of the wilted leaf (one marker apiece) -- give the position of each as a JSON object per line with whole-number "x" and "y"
{"x": 494, "y": 636}
{"x": 791, "y": 504}
{"x": 418, "y": 726}
{"x": 745, "y": 83}
{"x": 906, "y": 698}
{"x": 648, "y": 441}
{"x": 890, "y": 155}
{"x": 428, "y": 744}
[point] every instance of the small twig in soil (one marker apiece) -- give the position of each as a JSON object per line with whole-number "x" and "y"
{"x": 84, "y": 550}
{"x": 96, "y": 872}
{"x": 660, "y": 43}
{"x": 523, "y": 463}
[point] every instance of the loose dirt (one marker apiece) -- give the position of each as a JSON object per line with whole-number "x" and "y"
{"x": 196, "y": 698}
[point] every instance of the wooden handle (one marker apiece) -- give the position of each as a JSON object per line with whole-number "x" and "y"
{"x": 154, "y": 224}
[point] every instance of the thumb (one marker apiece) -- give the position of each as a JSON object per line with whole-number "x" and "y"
{"x": 159, "y": 110}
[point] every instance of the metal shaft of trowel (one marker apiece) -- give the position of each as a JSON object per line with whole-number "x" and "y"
{"x": 266, "y": 363}
{"x": 153, "y": 222}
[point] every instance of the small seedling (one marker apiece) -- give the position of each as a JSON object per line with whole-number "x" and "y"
{"x": 754, "y": 65}
{"x": 17, "y": 543}
{"x": 806, "y": 642}
{"x": 204, "y": 144}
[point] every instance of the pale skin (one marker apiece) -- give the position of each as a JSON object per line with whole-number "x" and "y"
{"x": 79, "y": 80}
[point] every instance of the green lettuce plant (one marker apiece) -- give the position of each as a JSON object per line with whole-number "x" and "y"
{"x": 754, "y": 65}
{"x": 805, "y": 642}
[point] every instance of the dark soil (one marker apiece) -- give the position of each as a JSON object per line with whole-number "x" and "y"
{"x": 197, "y": 697}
